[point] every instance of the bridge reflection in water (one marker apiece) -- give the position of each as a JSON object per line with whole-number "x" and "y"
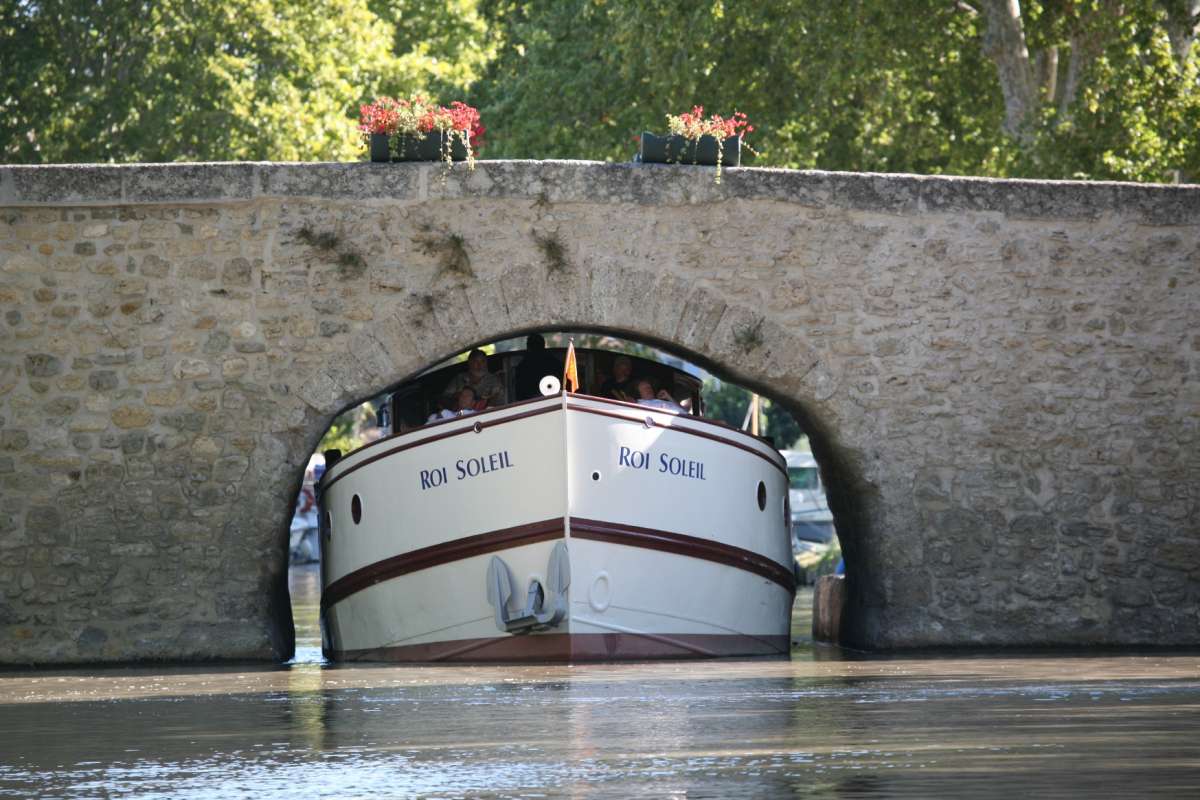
{"x": 822, "y": 724}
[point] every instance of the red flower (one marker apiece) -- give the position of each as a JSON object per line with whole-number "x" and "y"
{"x": 418, "y": 115}
{"x": 382, "y": 116}
{"x": 692, "y": 124}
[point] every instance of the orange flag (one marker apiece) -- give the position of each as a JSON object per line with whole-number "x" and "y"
{"x": 571, "y": 373}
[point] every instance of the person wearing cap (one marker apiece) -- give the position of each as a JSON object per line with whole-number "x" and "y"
{"x": 621, "y": 386}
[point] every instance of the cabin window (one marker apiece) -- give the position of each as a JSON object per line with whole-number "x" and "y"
{"x": 762, "y": 496}
{"x": 356, "y": 509}
{"x": 413, "y": 404}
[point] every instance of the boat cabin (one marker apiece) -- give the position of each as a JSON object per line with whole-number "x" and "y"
{"x": 412, "y": 403}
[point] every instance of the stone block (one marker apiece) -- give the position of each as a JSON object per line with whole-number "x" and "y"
{"x": 150, "y": 183}
{"x": 42, "y": 365}
{"x": 355, "y": 181}
{"x": 131, "y": 417}
{"x": 76, "y": 183}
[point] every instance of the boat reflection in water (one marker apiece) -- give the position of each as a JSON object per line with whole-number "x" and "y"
{"x": 566, "y": 527}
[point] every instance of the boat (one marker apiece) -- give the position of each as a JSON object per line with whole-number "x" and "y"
{"x": 812, "y": 520}
{"x": 563, "y": 527}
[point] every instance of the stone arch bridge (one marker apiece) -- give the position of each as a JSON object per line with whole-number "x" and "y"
{"x": 999, "y": 377}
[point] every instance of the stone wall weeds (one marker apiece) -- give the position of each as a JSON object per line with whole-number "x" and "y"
{"x": 1000, "y": 376}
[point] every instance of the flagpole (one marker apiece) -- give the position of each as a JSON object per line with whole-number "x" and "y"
{"x": 570, "y": 385}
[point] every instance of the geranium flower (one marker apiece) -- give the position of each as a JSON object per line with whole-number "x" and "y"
{"x": 417, "y": 115}
{"x": 692, "y": 125}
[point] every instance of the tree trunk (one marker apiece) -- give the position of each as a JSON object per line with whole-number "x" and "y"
{"x": 1086, "y": 45}
{"x": 1183, "y": 19}
{"x": 1004, "y": 43}
{"x": 1046, "y": 63}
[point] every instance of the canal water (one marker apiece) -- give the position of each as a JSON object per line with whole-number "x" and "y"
{"x": 824, "y": 723}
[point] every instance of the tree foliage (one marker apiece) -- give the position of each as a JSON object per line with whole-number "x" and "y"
{"x": 1041, "y": 88}
{"x": 353, "y": 428}
{"x": 729, "y": 403}
{"x": 1066, "y": 88}
{"x": 134, "y": 80}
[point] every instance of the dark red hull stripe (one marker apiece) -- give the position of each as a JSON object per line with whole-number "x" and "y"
{"x": 437, "y": 554}
{"x": 595, "y": 530}
{"x": 542, "y": 647}
{"x": 667, "y": 542}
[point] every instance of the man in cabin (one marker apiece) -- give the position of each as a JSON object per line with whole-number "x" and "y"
{"x": 621, "y": 386}
{"x": 536, "y": 365}
{"x": 488, "y": 388}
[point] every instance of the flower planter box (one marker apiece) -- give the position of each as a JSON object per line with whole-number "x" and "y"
{"x": 425, "y": 147}
{"x": 379, "y": 147}
{"x": 678, "y": 150}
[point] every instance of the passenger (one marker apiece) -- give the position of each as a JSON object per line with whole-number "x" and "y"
{"x": 468, "y": 401}
{"x": 464, "y": 404}
{"x": 536, "y": 365}
{"x": 488, "y": 388}
{"x": 621, "y": 385}
{"x": 662, "y": 399}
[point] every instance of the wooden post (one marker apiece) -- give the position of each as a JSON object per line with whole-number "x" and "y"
{"x": 828, "y": 597}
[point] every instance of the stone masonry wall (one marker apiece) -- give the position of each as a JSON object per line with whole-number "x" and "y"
{"x": 1000, "y": 377}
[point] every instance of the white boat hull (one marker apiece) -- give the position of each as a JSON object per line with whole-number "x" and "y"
{"x": 669, "y": 551}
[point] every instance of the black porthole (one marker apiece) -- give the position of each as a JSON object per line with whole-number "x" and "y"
{"x": 762, "y": 496}
{"x": 328, "y": 525}
{"x": 356, "y": 509}
{"x": 595, "y": 476}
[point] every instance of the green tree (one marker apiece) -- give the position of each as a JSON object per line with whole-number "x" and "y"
{"x": 1050, "y": 88}
{"x": 133, "y": 80}
{"x": 352, "y": 428}
{"x": 1044, "y": 88}
{"x": 1096, "y": 88}
{"x": 729, "y": 403}
{"x": 441, "y": 48}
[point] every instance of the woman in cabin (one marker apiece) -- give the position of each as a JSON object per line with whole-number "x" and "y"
{"x": 464, "y": 404}
{"x": 660, "y": 399}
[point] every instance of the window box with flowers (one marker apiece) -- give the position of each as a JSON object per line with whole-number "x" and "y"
{"x": 715, "y": 141}
{"x": 417, "y": 129}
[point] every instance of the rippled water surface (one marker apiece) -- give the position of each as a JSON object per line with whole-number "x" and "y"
{"x": 823, "y": 723}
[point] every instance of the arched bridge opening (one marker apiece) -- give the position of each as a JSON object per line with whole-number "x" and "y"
{"x": 608, "y": 365}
